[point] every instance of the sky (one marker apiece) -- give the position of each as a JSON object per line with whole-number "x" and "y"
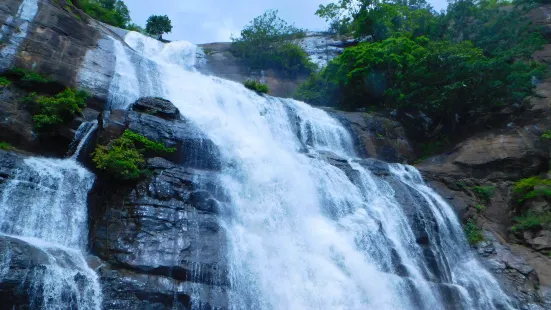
{"x": 206, "y": 21}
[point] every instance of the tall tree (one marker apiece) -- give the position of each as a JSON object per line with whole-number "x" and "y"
{"x": 158, "y": 25}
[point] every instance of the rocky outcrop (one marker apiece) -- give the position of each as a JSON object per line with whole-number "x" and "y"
{"x": 321, "y": 48}
{"x": 161, "y": 238}
{"x": 376, "y": 136}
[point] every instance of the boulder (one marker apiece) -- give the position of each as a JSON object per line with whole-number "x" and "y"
{"x": 156, "y": 106}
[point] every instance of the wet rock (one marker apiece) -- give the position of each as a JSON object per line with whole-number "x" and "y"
{"x": 161, "y": 236}
{"x": 156, "y": 106}
{"x": 376, "y": 136}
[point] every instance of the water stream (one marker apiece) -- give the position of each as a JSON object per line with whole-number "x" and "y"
{"x": 312, "y": 226}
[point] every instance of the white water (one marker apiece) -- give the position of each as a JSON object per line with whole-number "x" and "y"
{"x": 44, "y": 205}
{"x": 14, "y": 34}
{"x": 303, "y": 233}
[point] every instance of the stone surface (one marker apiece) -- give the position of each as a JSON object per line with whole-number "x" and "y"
{"x": 156, "y": 106}
{"x": 161, "y": 238}
{"x": 220, "y": 62}
{"x": 509, "y": 155}
{"x": 376, "y": 136}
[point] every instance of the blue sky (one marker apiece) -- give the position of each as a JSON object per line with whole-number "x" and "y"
{"x": 215, "y": 20}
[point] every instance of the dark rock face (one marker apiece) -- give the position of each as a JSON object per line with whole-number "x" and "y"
{"x": 376, "y": 137}
{"x": 161, "y": 237}
{"x": 156, "y": 106}
{"x": 22, "y": 260}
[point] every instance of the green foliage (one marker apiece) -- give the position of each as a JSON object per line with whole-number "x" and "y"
{"x": 531, "y": 188}
{"x": 5, "y": 146}
{"x": 50, "y": 112}
{"x": 267, "y": 42}
{"x": 318, "y": 90}
{"x": 158, "y": 25}
{"x": 473, "y": 233}
{"x": 4, "y": 81}
{"x": 546, "y": 135}
{"x": 531, "y": 221}
{"x": 456, "y": 67}
{"x": 124, "y": 158}
{"x": 112, "y": 12}
{"x": 145, "y": 144}
{"x": 484, "y": 193}
{"x": 480, "y": 207}
{"x": 258, "y": 87}
{"x": 135, "y": 27}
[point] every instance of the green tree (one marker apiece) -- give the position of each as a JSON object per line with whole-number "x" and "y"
{"x": 268, "y": 42}
{"x": 112, "y": 12}
{"x": 158, "y": 25}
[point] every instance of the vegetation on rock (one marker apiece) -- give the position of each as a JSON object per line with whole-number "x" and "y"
{"x": 267, "y": 42}
{"x": 5, "y": 146}
{"x": 531, "y": 221}
{"x": 49, "y": 102}
{"x": 531, "y": 188}
{"x": 112, "y": 12}
{"x": 157, "y": 25}
{"x": 473, "y": 233}
{"x": 124, "y": 157}
{"x": 4, "y": 81}
{"x": 484, "y": 193}
{"x": 258, "y": 87}
{"x": 51, "y": 111}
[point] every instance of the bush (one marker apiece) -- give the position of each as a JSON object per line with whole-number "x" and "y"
{"x": 258, "y": 87}
{"x": 267, "y": 43}
{"x": 532, "y": 187}
{"x": 531, "y": 221}
{"x": 546, "y": 135}
{"x": 50, "y": 112}
{"x": 473, "y": 233}
{"x": 32, "y": 81}
{"x": 112, "y": 12}
{"x": 484, "y": 193}
{"x": 5, "y": 146}
{"x": 4, "y": 81}
{"x": 124, "y": 158}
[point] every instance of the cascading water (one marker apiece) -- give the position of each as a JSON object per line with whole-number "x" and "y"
{"x": 45, "y": 205}
{"x": 15, "y": 31}
{"x": 311, "y": 227}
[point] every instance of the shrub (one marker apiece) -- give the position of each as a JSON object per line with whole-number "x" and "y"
{"x": 258, "y": 87}
{"x": 473, "y": 233}
{"x": 531, "y": 221}
{"x": 32, "y": 81}
{"x": 124, "y": 157}
{"x": 49, "y": 112}
{"x": 5, "y": 146}
{"x": 484, "y": 193}
{"x": 546, "y": 135}
{"x": 480, "y": 207}
{"x": 4, "y": 81}
{"x": 532, "y": 187}
{"x": 112, "y": 12}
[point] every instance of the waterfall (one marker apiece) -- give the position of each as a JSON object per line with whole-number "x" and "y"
{"x": 311, "y": 226}
{"x": 44, "y": 205}
{"x": 16, "y": 31}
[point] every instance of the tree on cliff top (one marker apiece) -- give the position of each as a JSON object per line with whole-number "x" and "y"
{"x": 158, "y": 25}
{"x": 267, "y": 42}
